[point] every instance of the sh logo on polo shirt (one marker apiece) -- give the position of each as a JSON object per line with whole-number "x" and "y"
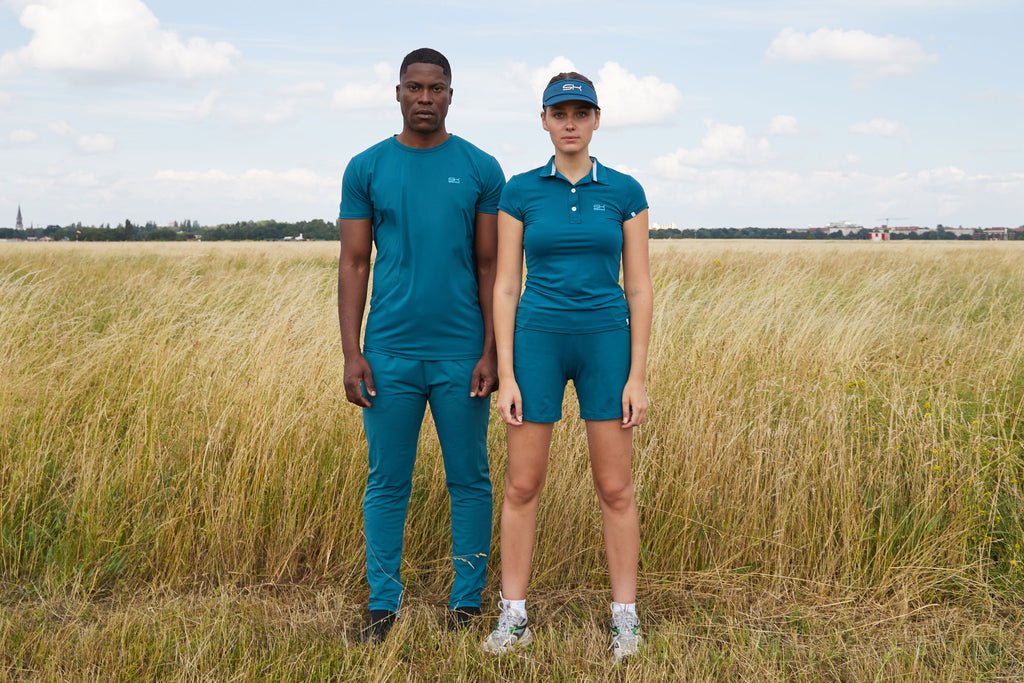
{"x": 599, "y": 207}
{"x": 453, "y": 180}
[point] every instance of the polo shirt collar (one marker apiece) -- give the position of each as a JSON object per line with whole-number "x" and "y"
{"x": 597, "y": 172}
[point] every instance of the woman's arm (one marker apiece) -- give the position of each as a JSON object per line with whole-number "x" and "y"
{"x": 636, "y": 277}
{"x": 508, "y": 284}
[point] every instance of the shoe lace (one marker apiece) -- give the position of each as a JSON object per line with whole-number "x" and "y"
{"x": 508, "y": 621}
{"x": 625, "y": 624}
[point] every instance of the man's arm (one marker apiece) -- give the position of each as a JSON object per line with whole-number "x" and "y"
{"x": 353, "y": 282}
{"x": 485, "y": 246}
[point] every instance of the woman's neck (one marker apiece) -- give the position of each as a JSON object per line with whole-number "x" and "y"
{"x": 575, "y": 166}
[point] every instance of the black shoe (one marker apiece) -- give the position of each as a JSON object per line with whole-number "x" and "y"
{"x": 462, "y": 618}
{"x": 377, "y": 626}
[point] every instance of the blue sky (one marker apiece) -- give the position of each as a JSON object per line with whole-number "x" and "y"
{"x": 732, "y": 113}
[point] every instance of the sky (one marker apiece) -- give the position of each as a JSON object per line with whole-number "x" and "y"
{"x": 730, "y": 113}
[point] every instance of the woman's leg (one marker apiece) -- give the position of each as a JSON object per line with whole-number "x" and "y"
{"x": 528, "y": 446}
{"x": 611, "y": 454}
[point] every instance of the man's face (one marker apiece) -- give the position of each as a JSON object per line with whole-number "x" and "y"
{"x": 424, "y": 95}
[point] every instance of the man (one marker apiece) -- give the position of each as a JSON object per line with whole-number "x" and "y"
{"x": 428, "y": 201}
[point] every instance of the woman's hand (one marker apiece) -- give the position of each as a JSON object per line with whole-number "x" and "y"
{"x": 510, "y": 402}
{"x": 634, "y": 404}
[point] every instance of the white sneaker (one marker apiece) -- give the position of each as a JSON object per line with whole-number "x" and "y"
{"x": 625, "y": 636}
{"x": 510, "y": 632}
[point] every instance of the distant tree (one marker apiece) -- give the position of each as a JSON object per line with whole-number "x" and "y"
{"x": 163, "y": 235}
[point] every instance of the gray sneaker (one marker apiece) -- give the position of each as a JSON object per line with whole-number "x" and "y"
{"x": 511, "y": 632}
{"x": 625, "y": 636}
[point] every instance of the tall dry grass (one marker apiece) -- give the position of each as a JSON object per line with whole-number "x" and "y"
{"x": 832, "y": 425}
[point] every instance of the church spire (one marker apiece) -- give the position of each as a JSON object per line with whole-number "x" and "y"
{"x": 19, "y": 225}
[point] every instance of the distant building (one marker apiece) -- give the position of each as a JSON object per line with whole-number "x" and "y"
{"x": 843, "y": 227}
{"x": 18, "y": 225}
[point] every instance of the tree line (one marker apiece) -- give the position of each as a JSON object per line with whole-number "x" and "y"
{"x": 939, "y": 233}
{"x": 316, "y": 229}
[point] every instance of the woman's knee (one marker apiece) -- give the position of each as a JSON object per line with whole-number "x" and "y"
{"x": 522, "y": 490}
{"x": 615, "y": 496}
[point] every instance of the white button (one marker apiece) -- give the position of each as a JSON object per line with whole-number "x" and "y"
{"x": 574, "y": 208}
{"x": 573, "y": 190}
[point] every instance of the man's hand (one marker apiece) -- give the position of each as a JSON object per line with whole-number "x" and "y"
{"x": 485, "y": 376}
{"x": 357, "y": 373}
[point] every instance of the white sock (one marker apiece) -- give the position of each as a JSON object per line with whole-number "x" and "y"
{"x": 517, "y": 605}
{"x": 624, "y": 607}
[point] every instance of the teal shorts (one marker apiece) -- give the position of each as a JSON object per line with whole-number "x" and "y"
{"x": 597, "y": 363}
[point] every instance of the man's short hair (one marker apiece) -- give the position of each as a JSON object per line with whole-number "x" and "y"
{"x": 426, "y": 55}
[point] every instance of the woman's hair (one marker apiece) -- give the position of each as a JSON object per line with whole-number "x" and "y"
{"x": 573, "y": 75}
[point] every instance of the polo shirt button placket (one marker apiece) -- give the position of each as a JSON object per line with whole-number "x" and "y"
{"x": 574, "y": 207}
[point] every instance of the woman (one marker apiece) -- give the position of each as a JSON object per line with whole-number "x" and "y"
{"x": 576, "y": 220}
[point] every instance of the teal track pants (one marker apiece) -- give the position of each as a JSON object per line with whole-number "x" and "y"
{"x": 392, "y": 423}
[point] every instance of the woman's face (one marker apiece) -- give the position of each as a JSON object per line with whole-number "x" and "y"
{"x": 571, "y": 125}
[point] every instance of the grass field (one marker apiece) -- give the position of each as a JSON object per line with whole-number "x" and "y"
{"x": 831, "y": 481}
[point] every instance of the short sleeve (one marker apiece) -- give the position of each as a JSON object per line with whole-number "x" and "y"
{"x": 636, "y": 199}
{"x": 491, "y": 183}
{"x": 511, "y": 199}
{"x": 355, "y": 195}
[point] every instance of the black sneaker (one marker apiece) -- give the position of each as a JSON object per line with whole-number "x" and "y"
{"x": 462, "y": 618}
{"x": 377, "y": 626}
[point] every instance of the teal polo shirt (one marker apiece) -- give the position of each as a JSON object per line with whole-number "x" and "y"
{"x": 572, "y": 238}
{"x": 424, "y": 302}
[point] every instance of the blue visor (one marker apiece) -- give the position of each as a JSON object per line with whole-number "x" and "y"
{"x": 570, "y": 91}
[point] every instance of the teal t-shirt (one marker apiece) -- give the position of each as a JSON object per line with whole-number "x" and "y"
{"x": 424, "y": 302}
{"x": 572, "y": 238}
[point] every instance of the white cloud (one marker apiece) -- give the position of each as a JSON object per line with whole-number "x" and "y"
{"x": 62, "y": 128}
{"x": 882, "y": 128}
{"x": 885, "y": 55}
{"x": 740, "y": 197}
{"x": 722, "y": 144}
{"x": 111, "y": 39}
{"x": 376, "y": 95}
{"x": 250, "y": 184}
{"x": 5, "y": 100}
{"x": 22, "y": 136}
{"x": 230, "y": 195}
{"x": 626, "y": 99}
{"x": 538, "y": 78}
{"x": 207, "y": 104}
{"x": 95, "y": 144}
{"x": 783, "y": 125}
{"x": 629, "y": 100}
